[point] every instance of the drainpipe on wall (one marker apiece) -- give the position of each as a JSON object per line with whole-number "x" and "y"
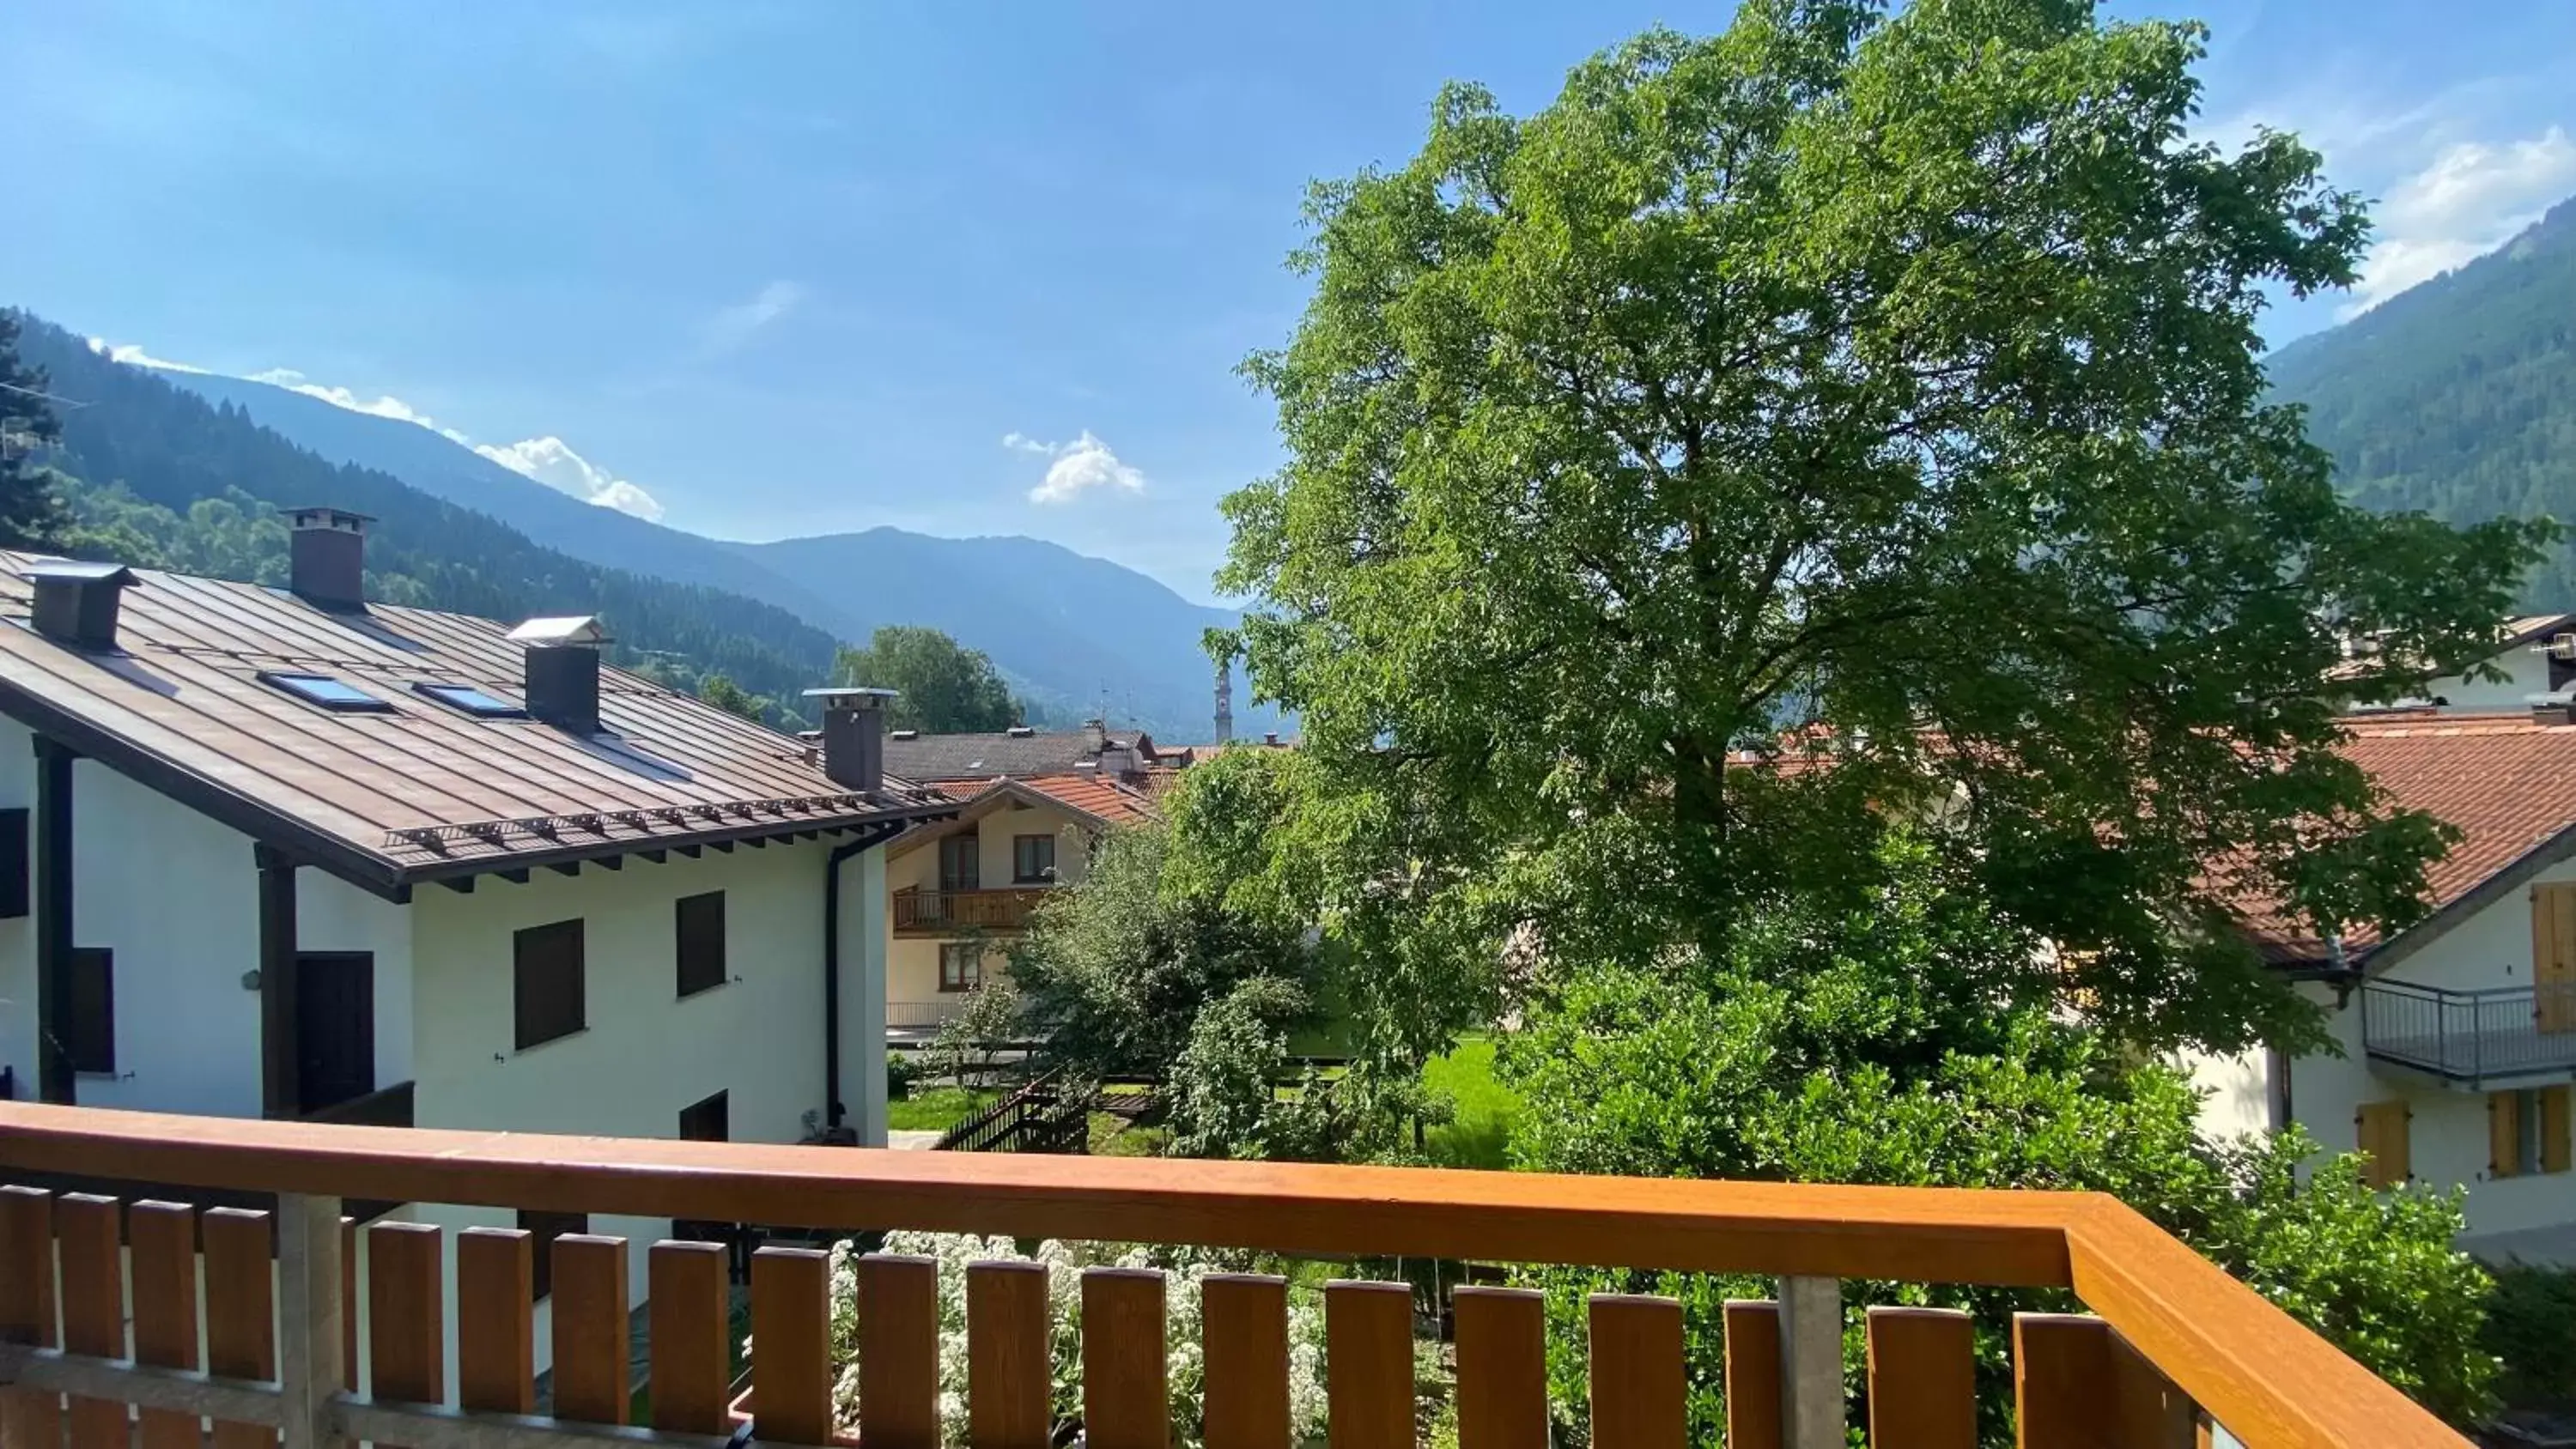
{"x": 281, "y": 1052}
{"x": 54, "y": 1082}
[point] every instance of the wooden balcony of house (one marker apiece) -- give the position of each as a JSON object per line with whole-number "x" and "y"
{"x": 920, "y": 912}
{"x": 2475, "y": 1040}
{"x": 259, "y": 1333}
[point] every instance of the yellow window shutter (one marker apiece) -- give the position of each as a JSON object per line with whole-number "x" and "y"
{"x": 2504, "y": 1134}
{"x": 2381, "y": 1131}
{"x": 2553, "y": 1129}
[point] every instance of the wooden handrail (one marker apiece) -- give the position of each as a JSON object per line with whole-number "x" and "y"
{"x": 2270, "y": 1381}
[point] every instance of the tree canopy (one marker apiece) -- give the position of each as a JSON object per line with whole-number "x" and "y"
{"x": 30, "y": 515}
{"x": 1847, "y": 412}
{"x": 719, "y": 690}
{"x": 942, "y": 687}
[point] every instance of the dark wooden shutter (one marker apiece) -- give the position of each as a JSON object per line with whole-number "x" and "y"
{"x": 701, "y": 930}
{"x": 89, "y": 1022}
{"x": 708, "y": 1121}
{"x": 549, "y": 982}
{"x": 335, "y": 1027}
{"x": 542, "y": 1229}
{"x": 13, "y": 863}
{"x": 2553, "y": 1129}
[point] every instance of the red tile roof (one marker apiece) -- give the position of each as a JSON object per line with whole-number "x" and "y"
{"x": 2506, "y": 782}
{"x": 1093, "y": 795}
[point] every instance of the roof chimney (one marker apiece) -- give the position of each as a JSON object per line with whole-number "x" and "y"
{"x": 854, "y": 736}
{"x": 76, "y": 603}
{"x": 327, "y": 561}
{"x": 562, "y": 679}
{"x": 1095, "y": 736}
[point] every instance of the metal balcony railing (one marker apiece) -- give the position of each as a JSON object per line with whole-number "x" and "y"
{"x": 2172, "y": 1346}
{"x": 2472, "y": 1037}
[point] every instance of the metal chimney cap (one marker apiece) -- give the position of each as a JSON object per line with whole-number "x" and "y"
{"x": 561, "y": 629}
{"x": 324, "y": 516}
{"x": 73, "y": 571}
{"x": 852, "y": 694}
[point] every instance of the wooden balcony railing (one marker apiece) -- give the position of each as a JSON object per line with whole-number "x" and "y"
{"x": 933, "y": 913}
{"x": 2175, "y": 1345}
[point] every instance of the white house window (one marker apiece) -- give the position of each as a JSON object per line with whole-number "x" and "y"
{"x": 961, "y": 965}
{"x": 1032, "y": 859}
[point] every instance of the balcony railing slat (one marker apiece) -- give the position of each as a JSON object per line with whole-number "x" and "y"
{"x": 1922, "y": 1379}
{"x": 93, "y": 1296}
{"x": 2062, "y": 1385}
{"x": 406, "y": 1312}
{"x": 1244, "y": 1328}
{"x": 1639, "y": 1394}
{"x": 590, "y": 1337}
{"x": 1753, "y": 1416}
{"x": 1368, "y": 1365}
{"x": 1006, "y": 1355}
{"x": 686, "y": 1327}
{"x": 1502, "y": 1368}
{"x": 27, "y": 1308}
{"x": 241, "y": 1310}
{"x": 496, "y": 1335}
{"x": 2200, "y": 1338}
{"x": 898, "y": 1351}
{"x": 162, "y": 1244}
{"x": 1126, "y": 1397}
{"x": 791, "y": 1372}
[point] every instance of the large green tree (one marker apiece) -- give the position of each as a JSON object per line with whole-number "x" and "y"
{"x": 942, "y": 686}
{"x": 1877, "y": 391}
{"x": 30, "y": 515}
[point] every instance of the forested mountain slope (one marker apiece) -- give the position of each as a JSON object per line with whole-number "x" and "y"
{"x": 163, "y": 476}
{"x": 2459, "y": 396}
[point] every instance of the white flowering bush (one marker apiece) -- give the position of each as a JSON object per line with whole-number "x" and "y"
{"x": 1185, "y": 1270}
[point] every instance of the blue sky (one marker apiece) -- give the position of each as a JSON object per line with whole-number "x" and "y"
{"x": 773, "y": 269}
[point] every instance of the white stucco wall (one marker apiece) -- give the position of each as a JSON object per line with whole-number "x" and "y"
{"x": 2236, "y": 1091}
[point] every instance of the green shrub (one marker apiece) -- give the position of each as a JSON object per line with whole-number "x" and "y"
{"x": 2531, "y": 1327}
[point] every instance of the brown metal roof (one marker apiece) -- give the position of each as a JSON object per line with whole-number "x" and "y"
{"x": 420, "y": 791}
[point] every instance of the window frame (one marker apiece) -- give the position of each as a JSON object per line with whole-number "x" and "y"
{"x": 290, "y": 682}
{"x": 966, "y": 849}
{"x": 1041, "y": 843}
{"x": 681, "y": 938}
{"x": 970, "y": 975}
{"x": 89, "y": 1055}
{"x": 522, "y": 943}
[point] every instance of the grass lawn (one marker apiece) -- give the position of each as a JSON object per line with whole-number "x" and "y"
{"x": 936, "y": 1109}
{"x": 1475, "y": 1136}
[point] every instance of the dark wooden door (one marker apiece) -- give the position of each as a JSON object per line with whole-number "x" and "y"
{"x": 335, "y": 1027}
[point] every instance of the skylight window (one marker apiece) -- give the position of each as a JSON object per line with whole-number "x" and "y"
{"x": 469, "y": 700}
{"x": 329, "y": 693}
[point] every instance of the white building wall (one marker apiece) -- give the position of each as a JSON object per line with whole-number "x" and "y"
{"x": 2526, "y": 674}
{"x": 645, "y": 1053}
{"x": 2236, "y": 1091}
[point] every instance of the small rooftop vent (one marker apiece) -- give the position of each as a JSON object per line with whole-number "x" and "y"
{"x": 905, "y": 734}
{"x": 854, "y": 736}
{"x": 562, "y": 670}
{"x": 77, "y": 603}
{"x": 1021, "y": 732}
{"x": 327, "y": 557}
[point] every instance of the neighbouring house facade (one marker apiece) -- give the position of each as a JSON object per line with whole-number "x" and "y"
{"x": 2458, "y": 1034}
{"x": 961, "y": 890}
{"x": 282, "y": 853}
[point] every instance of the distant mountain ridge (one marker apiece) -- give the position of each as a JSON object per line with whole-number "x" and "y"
{"x": 2458, "y": 396}
{"x": 1073, "y": 634}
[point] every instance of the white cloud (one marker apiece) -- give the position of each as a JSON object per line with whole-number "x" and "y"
{"x": 548, "y": 460}
{"x": 733, "y": 326}
{"x": 2471, "y": 199}
{"x": 134, "y": 356}
{"x": 1084, "y": 465}
{"x": 552, "y": 461}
